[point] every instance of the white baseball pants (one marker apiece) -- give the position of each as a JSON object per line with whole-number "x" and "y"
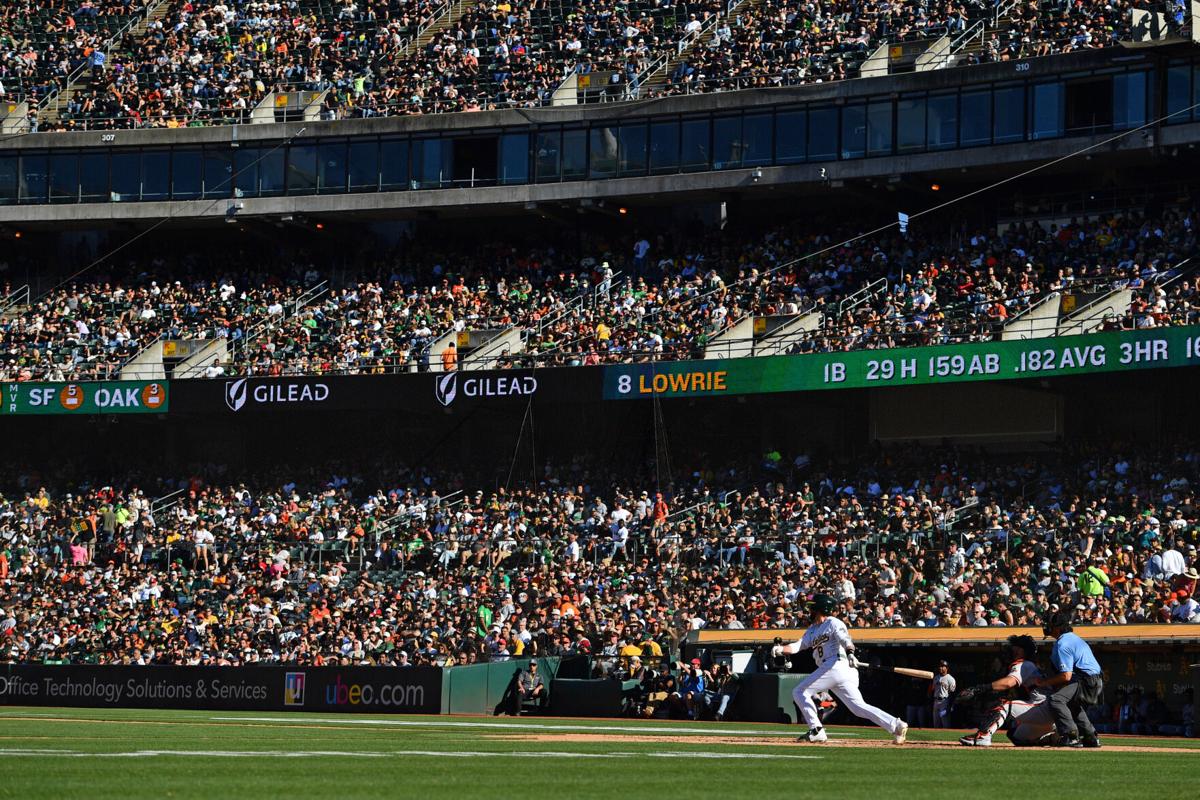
{"x": 841, "y": 679}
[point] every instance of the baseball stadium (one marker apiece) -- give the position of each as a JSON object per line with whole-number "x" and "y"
{"x": 542, "y": 398}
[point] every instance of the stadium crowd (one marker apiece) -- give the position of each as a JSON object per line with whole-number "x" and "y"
{"x": 333, "y": 566}
{"x": 203, "y": 62}
{"x": 42, "y": 42}
{"x": 660, "y": 297}
{"x": 87, "y": 330}
{"x": 784, "y": 43}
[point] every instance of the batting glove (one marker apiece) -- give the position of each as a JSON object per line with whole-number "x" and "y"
{"x": 854, "y": 662}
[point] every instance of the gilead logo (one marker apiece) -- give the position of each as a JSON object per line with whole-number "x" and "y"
{"x": 366, "y": 694}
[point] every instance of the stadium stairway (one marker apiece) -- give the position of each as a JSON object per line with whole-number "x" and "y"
{"x": 1000, "y": 23}
{"x": 52, "y": 106}
{"x": 454, "y": 11}
{"x": 658, "y": 73}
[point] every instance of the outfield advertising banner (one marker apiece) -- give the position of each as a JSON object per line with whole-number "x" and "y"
{"x": 984, "y": 361}
{"x": 409, "y": 690}
{"x": 100, "y": 397}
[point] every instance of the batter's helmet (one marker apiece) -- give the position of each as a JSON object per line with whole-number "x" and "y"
{"x": 823, "y": 604}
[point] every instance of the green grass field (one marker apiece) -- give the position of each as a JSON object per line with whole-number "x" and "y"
{"x": 121, "y": 753}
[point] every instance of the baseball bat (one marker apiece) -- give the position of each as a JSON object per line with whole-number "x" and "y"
{"x": 912, "y": 673}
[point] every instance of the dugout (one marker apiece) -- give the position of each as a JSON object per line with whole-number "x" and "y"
{"x": 1150, "y": 658}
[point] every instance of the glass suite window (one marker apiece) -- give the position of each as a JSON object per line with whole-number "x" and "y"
{"x": 879, "y": 128}
{"x": 976, "y": 125}
{"x": 363, "y": 169}
{"x": 791, "y": 137}
{"x": 664, "y": 147}
{"x": 547, "y": 155}
{"x": 93, "y": 178}
{"x": 1008, "y": 114}
{"x": 393, "y": 165}
{"x": 1046, "y": 116}
{"x": 156, "y": 175}
{"x": 331, "y": 167}
{"x": 431, "y": 163}
{"x": 218, "y": 173}
{"x": 10, "y": 168}
{"x": 694, "y": 152}
{"x": 757, "y": 139}
{"x": 854, "y": 131}
{"x": 64, "y": 178}
{"x": 822, "y": 134}
{"x": 245, "y": 165}
{"x": 633, "y": 149}
{"x": 126, "y": 184}
{"x": 603, "y": 152}
{"x": 574, "y": 155}
{"x": 910, "y": 124}
{"x": 1179, "y": 92}
{"x": 187, "y": 174}
{"x": 271, "y": 172}
{"x": 514, "y": 158}
{"x": 302, "y": 168}
{"x": 34, "y": 178}
{"x": 1129, "y": 100}
{"x": 727, "y": 142}
{"x": 941, "y": 127}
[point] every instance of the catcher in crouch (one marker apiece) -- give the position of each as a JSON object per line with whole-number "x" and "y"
{"x": 1030, "y": 722}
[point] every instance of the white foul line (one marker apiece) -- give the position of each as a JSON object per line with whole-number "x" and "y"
{"x": 646, "y": 729}
{"x": 19, "y": 752}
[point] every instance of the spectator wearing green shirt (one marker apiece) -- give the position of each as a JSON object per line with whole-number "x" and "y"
{"x": 1091, "y": 581}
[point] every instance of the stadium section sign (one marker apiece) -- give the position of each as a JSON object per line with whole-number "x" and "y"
{"x": 985, "y": 361}
{"x": 413, "y": 690}
{"x": 105, "y": 397}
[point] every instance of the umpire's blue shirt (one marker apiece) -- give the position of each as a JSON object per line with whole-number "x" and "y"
{"x": 1072, "y": 654}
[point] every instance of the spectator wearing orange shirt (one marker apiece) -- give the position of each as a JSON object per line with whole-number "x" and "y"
{"x": 450, "y": 358}
{"x": 660, "y": 509}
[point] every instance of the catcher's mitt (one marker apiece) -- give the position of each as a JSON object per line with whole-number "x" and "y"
{"x": 974, "y": 692}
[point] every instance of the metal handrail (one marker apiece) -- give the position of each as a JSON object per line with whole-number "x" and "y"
{"x": 1077, "y": 320}
{"x": 442, "y": 11}
{"x": 17, "y": 297}
{"x": 863, "y": 295}
{"x": 296, "y": 305}
{"x": 1001, "y": 9}
{"x": 684, "y": 43}
{"x": 405, "y": 517}
{"x": 951, "y": 518}
{"x": 291, "y": 310}
{"x": 165, "y": 503}
{"x": 83, "y": 66}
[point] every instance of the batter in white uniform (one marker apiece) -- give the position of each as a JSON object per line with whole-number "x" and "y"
{"x": 836, "y": 672}
{"x": 1030, "y": 722}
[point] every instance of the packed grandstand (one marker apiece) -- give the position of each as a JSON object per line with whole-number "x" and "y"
{"x": 344, "y": 566}
{"x": 638, "y": 298}
{"x": 172, "y": 63}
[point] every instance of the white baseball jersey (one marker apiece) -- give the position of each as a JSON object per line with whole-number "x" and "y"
{"x": 829, "y": 641}
{"x": 1026, "y": 672}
